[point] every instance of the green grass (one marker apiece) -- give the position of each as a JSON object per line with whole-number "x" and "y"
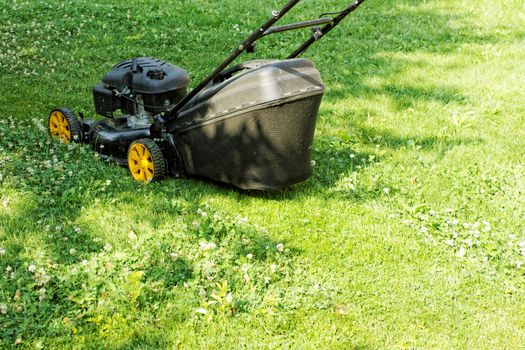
{"x": 410, "y": 233}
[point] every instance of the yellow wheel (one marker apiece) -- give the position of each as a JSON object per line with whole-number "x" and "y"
{"x": 64, "y": 125}
{"x": 145, "y": 161}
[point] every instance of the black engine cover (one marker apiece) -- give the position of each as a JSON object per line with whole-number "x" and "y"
{"x": 153, "y": 76}
{"x": 161, "y": 84}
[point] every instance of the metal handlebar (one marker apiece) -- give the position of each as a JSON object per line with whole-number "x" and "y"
{"x": 327, "y": 28}
{"x": 248, "y": 42}
{"x": 298, "y": 25}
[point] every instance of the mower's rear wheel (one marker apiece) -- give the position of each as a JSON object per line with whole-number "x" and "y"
{"x": 145, "y": 161}
{"x": 64, "y": 125}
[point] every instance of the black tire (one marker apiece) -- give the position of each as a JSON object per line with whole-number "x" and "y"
{"x": 145, "y": 161}
{"x": 64, "y": 125}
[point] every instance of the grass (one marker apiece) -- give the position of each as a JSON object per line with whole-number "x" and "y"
{"x": 409, "y": 234}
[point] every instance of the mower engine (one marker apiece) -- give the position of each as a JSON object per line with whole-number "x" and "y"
{"x": 140, "y": 88}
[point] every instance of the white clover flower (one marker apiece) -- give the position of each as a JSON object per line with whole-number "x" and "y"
{"x": 41, "y": 277}
{"x": 174, "y": 256}
{"x": 108, "y": 182}
{"x": 41, "y": 294}
{"x": 249, "y": 256}
{"x": 461, "y": 252}
{"x": 207, "y": 245}
{"x": 3, "y": 309}
{"x": 242, "y": 220}
{"x": 273, "y": 267}
{"x": 432, "y": 212}
{"x": 450, "y": 242}
{"x": 280, "y": 247}
{"x": 518, "y": 264}
{"x": 229, "y": 297}
{"x": 132, "y": 235}
{"x": 31, "y": 268}
{"x": 72, "y": 251}
{"x": 108, "y": 247}
{"x": 386, "y": 190}
{"x": 266, "y": 279}
{"x": 8, "y": 269}
{"x": 521, "y": 244}
{"x": 77, "y": 229}
{"x": 2, "y": 251}
{"x": 201, "y": 311}
{"x": 313, "y": 163}
{"x": 201, "y": 212}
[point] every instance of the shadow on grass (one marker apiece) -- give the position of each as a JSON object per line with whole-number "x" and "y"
{"x": 389, "y": 139}
{"x": 401, "y": 97}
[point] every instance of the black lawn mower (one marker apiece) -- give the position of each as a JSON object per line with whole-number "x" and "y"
{"x": 250, "y": 125}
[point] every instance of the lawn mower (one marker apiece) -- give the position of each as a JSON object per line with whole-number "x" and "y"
{"x": 250, "y": 125}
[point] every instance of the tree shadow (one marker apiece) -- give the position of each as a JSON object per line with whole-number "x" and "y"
{"x": 371, "y": 136}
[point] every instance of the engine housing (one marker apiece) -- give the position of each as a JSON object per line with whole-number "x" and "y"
{"x": 140, "y": 87}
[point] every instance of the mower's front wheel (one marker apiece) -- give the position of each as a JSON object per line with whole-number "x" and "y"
{"x": 64, "y": 125}
{"x": 145, "y": 161}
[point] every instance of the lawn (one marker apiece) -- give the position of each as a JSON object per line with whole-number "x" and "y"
{"x": 409, "y": 234}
